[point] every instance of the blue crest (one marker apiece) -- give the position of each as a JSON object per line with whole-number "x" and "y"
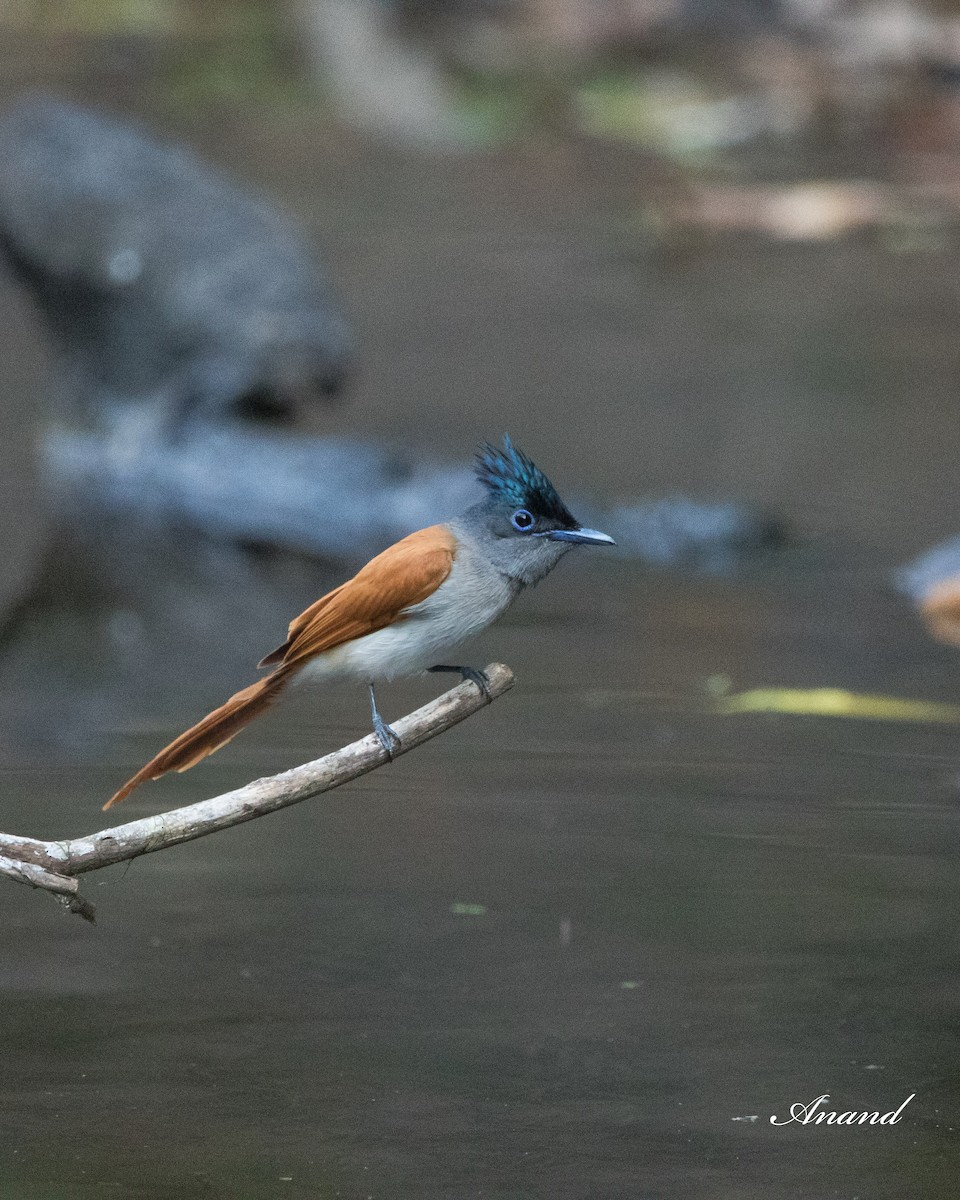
{"x": 510, "y": 476}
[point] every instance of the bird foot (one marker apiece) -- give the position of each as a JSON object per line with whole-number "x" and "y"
{"x": 387, "y": 736}
{"x": 474, "y": 675}
{"x": 480, "y": 678}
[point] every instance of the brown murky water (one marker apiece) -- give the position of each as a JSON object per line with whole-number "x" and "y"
{"x": 585, "y": 945}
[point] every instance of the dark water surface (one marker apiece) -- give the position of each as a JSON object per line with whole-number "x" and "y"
{"x": 564, "y": 950}
{"x": 554, "y": 953}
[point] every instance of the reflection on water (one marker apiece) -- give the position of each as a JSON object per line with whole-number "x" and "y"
{"x": 558, "y": 951}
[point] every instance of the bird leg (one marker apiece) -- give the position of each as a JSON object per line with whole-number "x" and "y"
{"x": 471, "y": 673}
{"x": 387, "y": 737}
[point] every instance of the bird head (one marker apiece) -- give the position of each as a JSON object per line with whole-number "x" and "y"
{"x": 527, "y": 527}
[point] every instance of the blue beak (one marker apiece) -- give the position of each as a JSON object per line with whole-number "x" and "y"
{"x": 583, "y": 537}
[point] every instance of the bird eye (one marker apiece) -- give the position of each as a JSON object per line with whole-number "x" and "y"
{"x": 522, "y": 520}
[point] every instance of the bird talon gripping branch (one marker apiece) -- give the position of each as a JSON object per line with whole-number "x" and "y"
{"x": 409, "y": 605}
{"x": 471, "y": 675}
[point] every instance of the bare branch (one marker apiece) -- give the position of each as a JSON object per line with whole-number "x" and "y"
{"x": 54, "y": 865}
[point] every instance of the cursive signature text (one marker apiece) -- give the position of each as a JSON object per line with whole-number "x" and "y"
{"x": 815, "y": 1113}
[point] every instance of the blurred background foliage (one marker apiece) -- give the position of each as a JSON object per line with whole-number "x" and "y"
{"x": 677, "y": 75}
{"x": 705, "y": 88}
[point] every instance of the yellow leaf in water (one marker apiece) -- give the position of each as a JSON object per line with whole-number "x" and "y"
{"x": 834, "y": 702}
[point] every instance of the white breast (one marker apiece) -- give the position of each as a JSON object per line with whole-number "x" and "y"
{"x": 472, "y": 596}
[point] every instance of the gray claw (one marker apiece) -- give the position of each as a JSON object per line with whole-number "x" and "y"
{"x": 472, "y": 674}
{"x": 388, "y": 737}
{"x": 481, "y": 679}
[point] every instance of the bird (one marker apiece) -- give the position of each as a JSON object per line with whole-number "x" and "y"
{"x": 411, "y": 604}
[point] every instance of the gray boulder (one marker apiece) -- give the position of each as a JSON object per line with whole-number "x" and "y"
{"x": 160, "y": 279}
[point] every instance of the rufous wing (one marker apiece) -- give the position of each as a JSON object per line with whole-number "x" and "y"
{"x": 404, "y": 575}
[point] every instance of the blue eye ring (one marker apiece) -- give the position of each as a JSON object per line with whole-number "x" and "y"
{"x": 522, "y": 520}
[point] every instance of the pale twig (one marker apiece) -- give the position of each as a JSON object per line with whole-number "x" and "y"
{"x": 54, "y": 865}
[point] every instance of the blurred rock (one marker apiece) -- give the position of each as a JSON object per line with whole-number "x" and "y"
{"x": 921, "y": 577}
{"x": 170, "y": 295}
{"x": 940, "y": 608}
{"x": 162, "y": 282}
{"x": 340, "y": 497}
{"x": 932, "y": 581}
{"x": 677, "y": 529}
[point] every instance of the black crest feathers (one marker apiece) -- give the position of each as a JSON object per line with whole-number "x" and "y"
{"x": 510, "y": 476}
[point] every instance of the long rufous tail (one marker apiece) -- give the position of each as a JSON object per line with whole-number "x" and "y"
{"x": 215, "y": 730}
